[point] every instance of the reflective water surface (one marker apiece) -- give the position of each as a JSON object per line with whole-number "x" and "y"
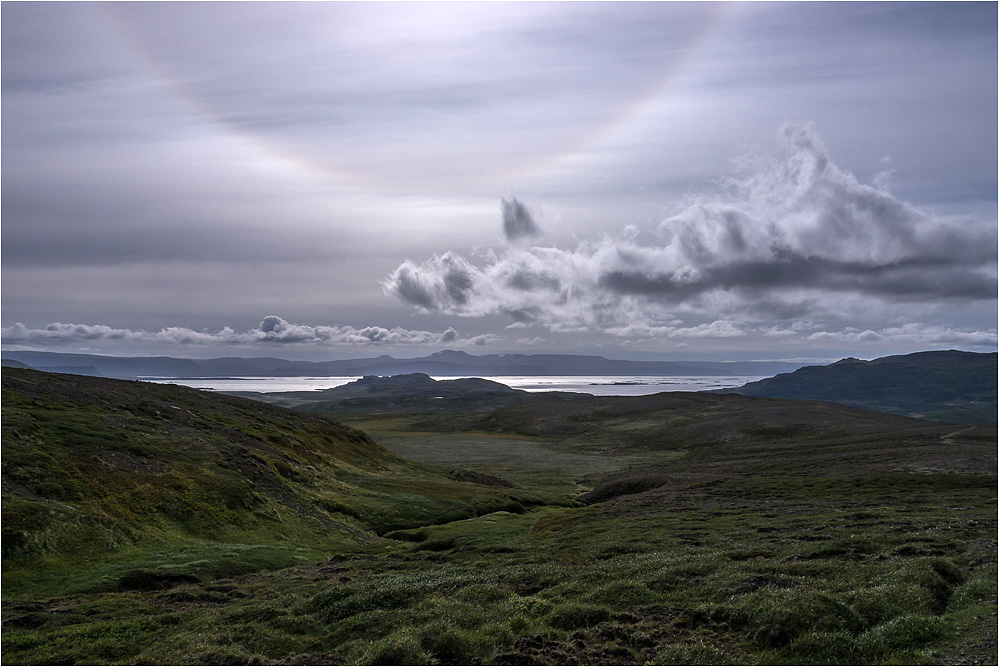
{"x": 600, "y": 385}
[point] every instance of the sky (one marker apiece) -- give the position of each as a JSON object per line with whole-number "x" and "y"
{"x": 649, "y": 180}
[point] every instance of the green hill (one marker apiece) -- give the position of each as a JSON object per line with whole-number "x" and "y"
{"x": 952, "y": 386}
{"x": 97, "y": 468}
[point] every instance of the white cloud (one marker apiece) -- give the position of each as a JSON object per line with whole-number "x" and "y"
{"x": 788, "y": 237}
{"x": 273, "y": 330}
{"x": 529, "y": 342}
{"x": 918, "y": 335}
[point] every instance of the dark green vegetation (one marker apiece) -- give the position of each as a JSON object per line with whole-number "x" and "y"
{"x": 952, "y": 386}
{"x": 670, "y": 529}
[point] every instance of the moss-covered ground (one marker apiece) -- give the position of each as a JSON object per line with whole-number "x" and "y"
{"x": 719, "y": 531}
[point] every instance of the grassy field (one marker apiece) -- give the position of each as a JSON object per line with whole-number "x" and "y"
{"x": 681, "y": 529}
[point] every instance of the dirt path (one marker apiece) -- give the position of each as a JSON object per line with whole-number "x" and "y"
{"x": 949, "y": 437}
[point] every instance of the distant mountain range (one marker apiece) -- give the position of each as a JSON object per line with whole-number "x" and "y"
{"x": 445, "y": 363}
{"x": 958, "y": 387}
{"x": 947, "y": 385}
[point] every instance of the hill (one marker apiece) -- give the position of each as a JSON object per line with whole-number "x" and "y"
{"x": 97, "y": 468}
{"x": 11, "y": 363}
{"x": 959, "y": 387}
{"x": 412, "y": 392}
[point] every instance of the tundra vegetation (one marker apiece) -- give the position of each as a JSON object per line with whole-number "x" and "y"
{"x": 155, "y": 524}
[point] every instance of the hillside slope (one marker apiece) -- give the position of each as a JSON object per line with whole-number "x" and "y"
{"x": 959, "y": 387}
{"x": 93, "y": 466}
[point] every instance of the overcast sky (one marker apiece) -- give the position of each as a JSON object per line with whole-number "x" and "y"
{"x": 638, "y": 180}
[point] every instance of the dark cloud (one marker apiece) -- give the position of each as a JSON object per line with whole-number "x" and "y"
{"x": 917, "y": 279}
{"x": 449, "y": 280}
{"x": 458, "y": 282}
{"x": 407, "y": 283}
{"x": 518, "y": 222}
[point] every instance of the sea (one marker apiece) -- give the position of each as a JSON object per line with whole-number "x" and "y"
{"x": 598, "y": 385}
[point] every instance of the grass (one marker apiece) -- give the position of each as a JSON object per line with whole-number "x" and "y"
{"x": 579, "y": 585}
{"x": 100, "y": 472}
{"x": 549, "y": 595}
{"x": 851, "y": 542}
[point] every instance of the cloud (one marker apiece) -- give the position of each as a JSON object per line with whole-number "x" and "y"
{"x": 531, "y": 342}
{"x": 790, "y": 234}
{"x": 517, "y": 220}
{"x": 912, "y": 334}
{"x": 271, "y": 330}
{"x": 484, "y": 339}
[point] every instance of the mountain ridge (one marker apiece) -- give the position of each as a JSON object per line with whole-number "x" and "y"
{"x": 947, "y": 385}
{"x": 442, "y": 363}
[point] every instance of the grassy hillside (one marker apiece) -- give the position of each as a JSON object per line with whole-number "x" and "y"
{"x": 97, "y": 470}
{"x": 678, "y": 529}
{"x": 723, "y": 529}
{"x": 958, "y": 387}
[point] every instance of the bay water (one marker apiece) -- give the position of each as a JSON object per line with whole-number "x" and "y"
{"x": 599, "y": 385}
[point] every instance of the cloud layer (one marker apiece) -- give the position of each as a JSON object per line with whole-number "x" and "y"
{"x": 272, "y": 330}
{"x": 790, "y": 237}
{"x": 197, "y": 164}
